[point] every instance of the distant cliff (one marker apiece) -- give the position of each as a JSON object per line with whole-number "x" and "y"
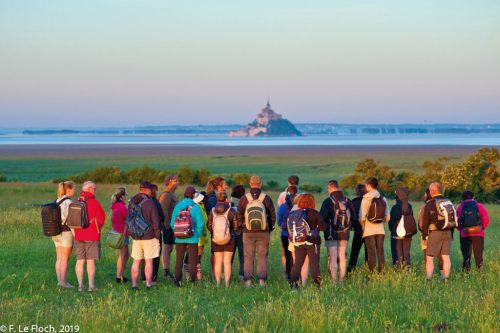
{"x": 268, "y": 123}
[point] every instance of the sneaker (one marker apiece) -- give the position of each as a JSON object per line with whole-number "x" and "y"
{"x": 122, "y": 279}
{"x": 168, "y": 274}
{"x": 67, "y": 286}
{"x": 93, "y": 289}
{"x": 135, "y": 289}
{"x": 178, "y": 284}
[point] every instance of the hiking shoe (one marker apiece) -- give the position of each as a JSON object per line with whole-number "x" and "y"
{"x": 122, "y": 279}
{"x": 135, "y": 289}
{"x": 168, "y": 274}
{"x": 177, "y": 284}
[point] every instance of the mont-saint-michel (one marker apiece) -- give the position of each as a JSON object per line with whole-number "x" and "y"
{"x": 268, "y": 123}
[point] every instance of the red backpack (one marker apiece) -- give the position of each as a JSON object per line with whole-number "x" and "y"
{"x": 183, "y": 224}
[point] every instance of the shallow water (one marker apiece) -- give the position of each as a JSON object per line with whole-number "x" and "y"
{"x": 221, "y": 140}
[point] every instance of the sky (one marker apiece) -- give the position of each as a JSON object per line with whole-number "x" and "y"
{"x": 112, "y": 63}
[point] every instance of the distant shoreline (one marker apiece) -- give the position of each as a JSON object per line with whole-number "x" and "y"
{"x": 62, "y": 150}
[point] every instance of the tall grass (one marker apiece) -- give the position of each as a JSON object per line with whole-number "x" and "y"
{"x": 391, "y": 302}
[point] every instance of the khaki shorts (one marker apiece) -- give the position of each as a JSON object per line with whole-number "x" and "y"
{"x": 64, "y": 239}
{"x": 88, "y": 250}
{"x": 439, "y": 243}
{"x": 145, "y": 249}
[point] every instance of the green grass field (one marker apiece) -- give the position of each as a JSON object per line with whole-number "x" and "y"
{"x": 391, "y": 302}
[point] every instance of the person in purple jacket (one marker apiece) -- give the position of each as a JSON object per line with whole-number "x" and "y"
{"x": 283, "y": 211}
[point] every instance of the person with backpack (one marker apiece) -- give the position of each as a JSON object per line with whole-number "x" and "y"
{"x": 88, "y": 239}
{"x": 187, "y": 223}
{"x": 439, "y": 219}
{"x": 402, "y": 226}
{"x": 222, "y": 223}
{"x": 372, "y": 216}
{"x": 283, "y": 212}
{"x": 304, "y": 225}
{"x": 337, "y": 212}
{"x": 357, "y": 238}
{"x": 119, "y": 213}
{"x": 473, "y": 219}
{"x": 64, "y": 240}
{"x": 161, "y": 216}
{"x": 237, "y": 192}
{"x": 199, "y": 199}
{"x": 214, "y": 186}
{"x": 168, "y": 200}
{"x": 292, "y": 181}
{"x": 257, "y": 213}
{"x": 426, "y": 197}
{"x": 143, "y": 223}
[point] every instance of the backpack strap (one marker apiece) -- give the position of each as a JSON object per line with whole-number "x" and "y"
{"x": 62, "y": 200}
{"x": 249, "y": 197}
{"x": 261, "y": 197}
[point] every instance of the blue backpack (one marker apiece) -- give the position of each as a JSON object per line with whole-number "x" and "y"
{"x": 298, "y": 228}
{"x": 137, "y": 225}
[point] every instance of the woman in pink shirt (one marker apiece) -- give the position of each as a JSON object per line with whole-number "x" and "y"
{"x": 119, "y": 212}
{"x": 469, "y": 213}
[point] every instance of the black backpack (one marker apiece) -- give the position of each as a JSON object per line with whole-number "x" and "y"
{"x": 341, "y": 220}
{"x": 51, "y": 218}
{"x": 469, "y": 216}
{"x": 77, "y": 215}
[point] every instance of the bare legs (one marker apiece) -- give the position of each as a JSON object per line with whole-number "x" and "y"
{"x": 61, "y": 266}
{"x": 429, "y": 266}
{"x": 148, "y": 271}
{"x": 79, "y": 268}
{"x": 121, "y": 263}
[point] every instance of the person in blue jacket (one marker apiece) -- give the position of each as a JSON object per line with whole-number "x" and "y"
{"x": 189, "y": 245}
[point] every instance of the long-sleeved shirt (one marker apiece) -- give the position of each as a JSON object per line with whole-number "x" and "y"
{"x": 168, "y": 200}
{"x": 483, "y": 215}
{"x": 268, "y": 204}
{"x": 96, "y": 216}
{"x": 371, "y": 229}
{"x": 316, "y": 224}
{"x": 150, "y": 213}
{"x": 196, "y": 215}
{"x": 327, "y": 212}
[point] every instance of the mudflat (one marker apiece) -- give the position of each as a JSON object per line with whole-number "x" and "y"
{"x": 31, "y": 150}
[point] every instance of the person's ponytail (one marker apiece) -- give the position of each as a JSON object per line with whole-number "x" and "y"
{"x": 60, "y": 190}
{"x": 63, "y": 187}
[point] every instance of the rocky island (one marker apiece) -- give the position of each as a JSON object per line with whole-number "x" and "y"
{"x": 268, "y": 123}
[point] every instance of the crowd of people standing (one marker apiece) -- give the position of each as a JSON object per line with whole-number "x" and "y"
{"x": 153, "y": 223}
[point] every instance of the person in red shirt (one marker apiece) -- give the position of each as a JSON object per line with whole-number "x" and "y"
{"x": 88, "y": 240}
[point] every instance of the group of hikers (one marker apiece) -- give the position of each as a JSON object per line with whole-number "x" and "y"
{"x": 242, "y": 222}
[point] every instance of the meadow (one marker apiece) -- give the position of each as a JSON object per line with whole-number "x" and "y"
{"x": 394, "y": 301}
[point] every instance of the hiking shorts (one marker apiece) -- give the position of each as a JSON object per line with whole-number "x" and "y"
{"x": 64, "y": 239}
{"x": 168, "y": 236}
{"x": 229, "y": 247}
{"x": 145, "y": 249}
{"x": 439, "y": 243}
{"x": 88, "y": 250}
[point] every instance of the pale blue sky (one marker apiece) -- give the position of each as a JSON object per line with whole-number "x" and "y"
{"x": 144, "y": 62}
